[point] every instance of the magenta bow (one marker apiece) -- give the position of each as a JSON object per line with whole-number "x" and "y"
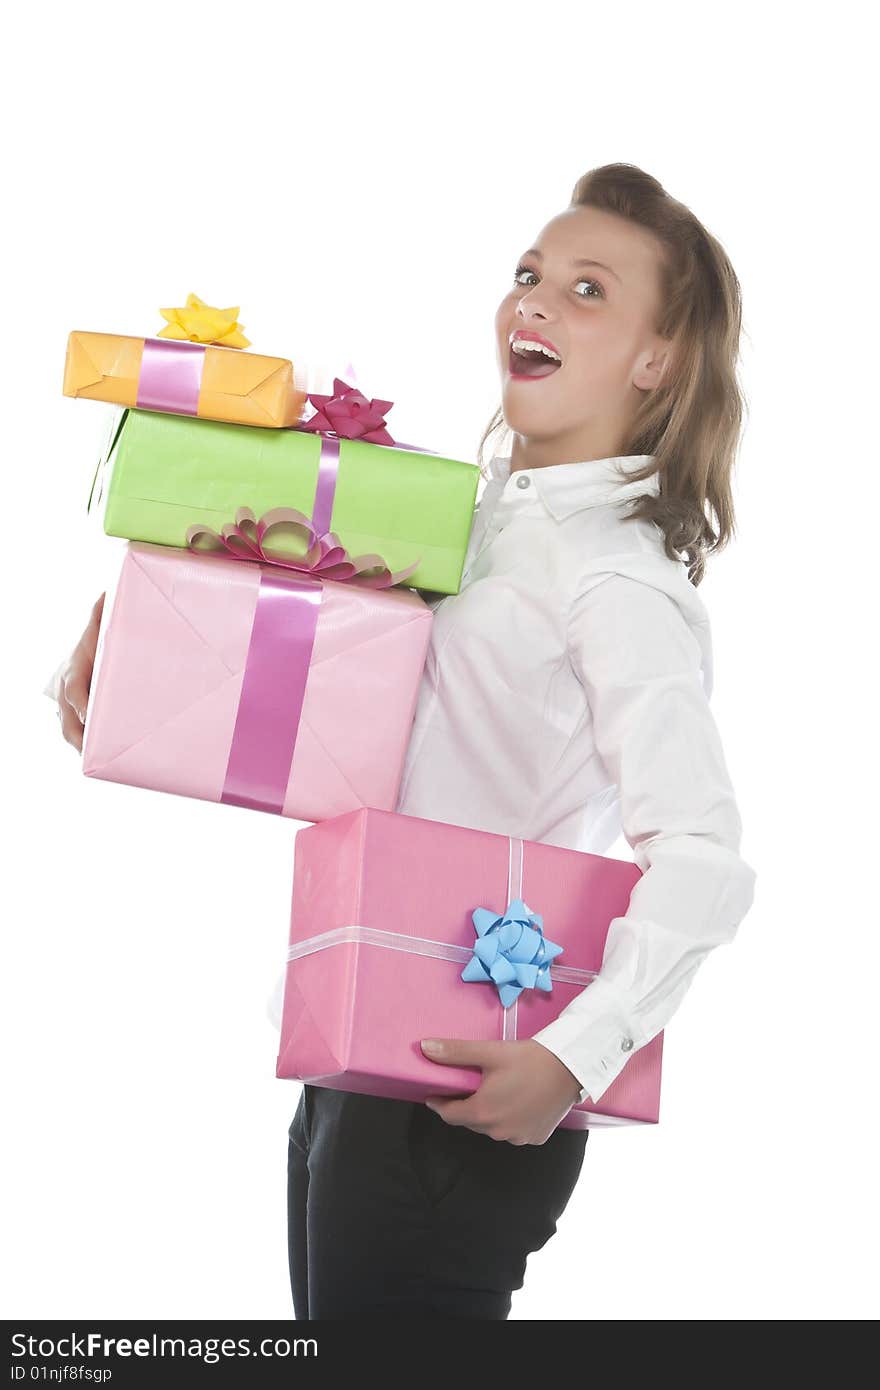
{"x": 325, "y": 558}
{"x": 349, "y": 415}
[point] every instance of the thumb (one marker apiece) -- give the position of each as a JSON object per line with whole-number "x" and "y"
{"x": 459, "y": 1052}
{"x": 76, "y": 693}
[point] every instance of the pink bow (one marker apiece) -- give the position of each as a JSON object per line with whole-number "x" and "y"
{"x": 349, "y": 415}
{"x": 325, "y": 557}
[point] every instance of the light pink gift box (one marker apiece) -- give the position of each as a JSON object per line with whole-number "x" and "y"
{"x": 381, "y": 929}
{"x": 240, "y": 682}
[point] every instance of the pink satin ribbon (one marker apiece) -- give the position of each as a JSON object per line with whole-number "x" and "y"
{"x": 325, "y": 556}
{"x": 328, "y": 471}
{"x": 171, "y": 376}
{"x": 346, "y": 414}
{"x": 286, "y": 617}
{"x": 271, "y": 703}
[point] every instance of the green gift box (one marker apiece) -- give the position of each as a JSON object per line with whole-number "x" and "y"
{"x": 170, "y": 472}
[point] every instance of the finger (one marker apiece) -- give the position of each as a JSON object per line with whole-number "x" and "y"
{"x": 75, "y": 692}
{"x": 77, "y": 680}
{"x": 71, "y": 726}
{"x": 462, "y": 1052}
{"x": 89, "y": 639}
{"x": 458, "y": 1112}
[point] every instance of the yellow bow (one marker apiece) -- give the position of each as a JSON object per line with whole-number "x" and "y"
{"x": 198, "y": 322}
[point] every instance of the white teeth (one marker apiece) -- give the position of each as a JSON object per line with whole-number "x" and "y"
{"x": 524, "y": 345}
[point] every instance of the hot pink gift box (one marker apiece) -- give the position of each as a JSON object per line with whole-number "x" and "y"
{"x": 205, "y": 684}
{"x": 381, "y": 929}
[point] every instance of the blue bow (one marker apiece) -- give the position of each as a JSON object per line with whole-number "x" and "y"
{"x": 511, "y": 952}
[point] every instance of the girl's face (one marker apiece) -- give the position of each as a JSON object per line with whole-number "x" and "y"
{"x": 599, "y": 319}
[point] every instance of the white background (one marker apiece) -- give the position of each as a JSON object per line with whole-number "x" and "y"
{"x": 362, "y": 179}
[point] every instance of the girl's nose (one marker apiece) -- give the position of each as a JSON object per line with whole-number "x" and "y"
{"x": 537, "y": 303}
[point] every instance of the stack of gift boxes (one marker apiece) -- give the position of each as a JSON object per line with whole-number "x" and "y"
{"x": 262, "y": 645}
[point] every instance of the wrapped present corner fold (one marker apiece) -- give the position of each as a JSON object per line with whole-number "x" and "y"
{"x": 203, "y": 380}
{"x": 388, "y": 913}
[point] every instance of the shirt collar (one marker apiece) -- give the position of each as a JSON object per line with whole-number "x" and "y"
{"x": 565, "y": 488}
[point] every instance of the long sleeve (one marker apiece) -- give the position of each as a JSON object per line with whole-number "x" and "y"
{"x": 639, "y": 662}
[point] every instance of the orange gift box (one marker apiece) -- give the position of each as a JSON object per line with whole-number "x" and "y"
{"x": 184, "y": 378}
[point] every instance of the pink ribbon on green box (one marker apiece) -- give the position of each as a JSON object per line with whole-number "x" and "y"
{"x": 325, "y": 556}
{"x": 345, "y": 414}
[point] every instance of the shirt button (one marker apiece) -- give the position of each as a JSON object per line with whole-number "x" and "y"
{"x": 626, "y": 1045}
{"x": 523, "y": 481}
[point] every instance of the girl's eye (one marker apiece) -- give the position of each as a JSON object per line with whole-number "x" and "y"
{"x": 524, "y": 270}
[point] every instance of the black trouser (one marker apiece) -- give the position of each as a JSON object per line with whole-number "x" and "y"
{"x": 392, "y": 1212}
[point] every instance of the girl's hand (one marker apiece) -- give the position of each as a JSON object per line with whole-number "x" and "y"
{"x": 524, "y": 1093}
{"x": 76, "y": 679}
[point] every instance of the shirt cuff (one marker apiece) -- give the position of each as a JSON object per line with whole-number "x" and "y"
{"x": 53, "y": 684}
{"x": 593, "y": 1038}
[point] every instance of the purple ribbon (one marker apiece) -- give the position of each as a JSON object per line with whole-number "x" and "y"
{"x": 270, "y": 709}
{"x": 171, "y": 376}
{"x": 328, "y": 471}
{"x": 325, "y": 557}
{"x": 286, "y": 616}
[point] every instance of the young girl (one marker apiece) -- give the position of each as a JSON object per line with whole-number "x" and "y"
{"x": 565, "y": 699}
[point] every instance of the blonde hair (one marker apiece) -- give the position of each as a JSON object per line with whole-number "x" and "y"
{"x": 691, "y": 422}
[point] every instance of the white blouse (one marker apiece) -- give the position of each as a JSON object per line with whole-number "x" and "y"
{"x": 564, "y": 700}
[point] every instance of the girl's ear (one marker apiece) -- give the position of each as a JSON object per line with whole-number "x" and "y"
{"x": 655, "y": 366}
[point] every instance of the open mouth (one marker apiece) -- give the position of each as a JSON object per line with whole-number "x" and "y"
{"x": 531, "y": 364}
